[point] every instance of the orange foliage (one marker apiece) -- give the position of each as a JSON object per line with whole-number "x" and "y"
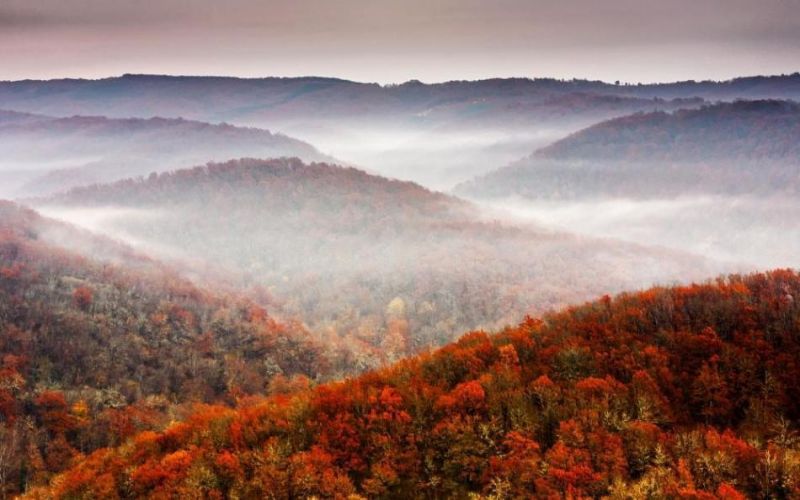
{"x": 610, "y": 397}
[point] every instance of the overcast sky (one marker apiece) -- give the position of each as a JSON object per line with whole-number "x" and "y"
{"x": 394, "y": 41}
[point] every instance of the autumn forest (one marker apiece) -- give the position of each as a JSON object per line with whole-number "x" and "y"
{"x": 438, "y": 272}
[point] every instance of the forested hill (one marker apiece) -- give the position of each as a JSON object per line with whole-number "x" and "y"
{"x": 60, "y": 153}
{"x": 744, "y": 147}
{"x": 741, "y": 130}
{"x": 367, "y": 262}
{"x": 281, "y": 185}
{"x": 687, "y": 392}
{"x": 92, "y": 352}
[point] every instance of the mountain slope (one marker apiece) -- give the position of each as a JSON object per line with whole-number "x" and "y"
{"x": 750, "y": 130}
{"x": 720, "y": 181}
{"x": 365, "y": 261}
{"x": 685, "y": 392}
{"x": 81, "y": 339}
{"x": 745, "y": 147}
{"x": 60, "y": 153}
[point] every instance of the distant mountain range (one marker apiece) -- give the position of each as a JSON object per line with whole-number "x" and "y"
{"x": 434, "y": 134}
{"x": 237, "y": 100}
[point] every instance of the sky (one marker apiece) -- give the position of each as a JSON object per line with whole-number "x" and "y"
{"x": 392, "y": 41}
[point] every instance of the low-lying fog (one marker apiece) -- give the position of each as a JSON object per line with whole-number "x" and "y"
{"x": 747, "y": 232}
{"x": 436, "y": 159}
{"x": 110, "y": 221}
{"x": 17, "y": 172}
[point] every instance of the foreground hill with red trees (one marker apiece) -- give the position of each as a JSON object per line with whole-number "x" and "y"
{"x": 686, "y": 392}
{"x": 94, "y": 350}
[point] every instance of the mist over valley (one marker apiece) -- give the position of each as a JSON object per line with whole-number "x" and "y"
{"x": 352, "y": 250}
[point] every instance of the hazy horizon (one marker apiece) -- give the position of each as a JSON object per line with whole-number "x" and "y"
{"x": 392, "y": 42}
{"x": 401, "y": 82}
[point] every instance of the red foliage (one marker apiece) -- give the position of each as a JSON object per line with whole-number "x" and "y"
{"x": 82, "y": 297}
{"x": 53, "y": 411}
{"x": 661, "y": 391}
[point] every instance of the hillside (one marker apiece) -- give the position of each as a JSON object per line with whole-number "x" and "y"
{"x": 719, "y": 181}
{"x": 744, "y": 147}
{"x": 386, "y": 267}
{"x": 685, "y": 392}
{"x": 93, "y": 350}
{"x": 741, "y": 130}
{"x": 59, "y": 153}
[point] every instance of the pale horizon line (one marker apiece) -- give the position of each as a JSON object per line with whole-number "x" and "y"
{"x": 620, "y": 83}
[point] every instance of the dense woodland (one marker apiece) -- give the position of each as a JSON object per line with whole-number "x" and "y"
{"x": 763, "y": 130}
{"x": 738, "y": 148}
{"x": 92, "y": 352}
{"x": 686, "y": 392}
{"x": 383, "y": 267}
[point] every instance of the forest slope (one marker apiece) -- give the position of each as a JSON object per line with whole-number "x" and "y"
{"x": 744, "y": 147}
{"x": 686, "y": 392}
{"x": 365, "y": 261}
{"x": 82, "y": 339}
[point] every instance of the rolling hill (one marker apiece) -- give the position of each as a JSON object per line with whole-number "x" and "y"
{"x": 385, "y": 267}
{"x": 686, "y": 392}
{"x": 55, "y": 154}
{"x": 744, "y": 147}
